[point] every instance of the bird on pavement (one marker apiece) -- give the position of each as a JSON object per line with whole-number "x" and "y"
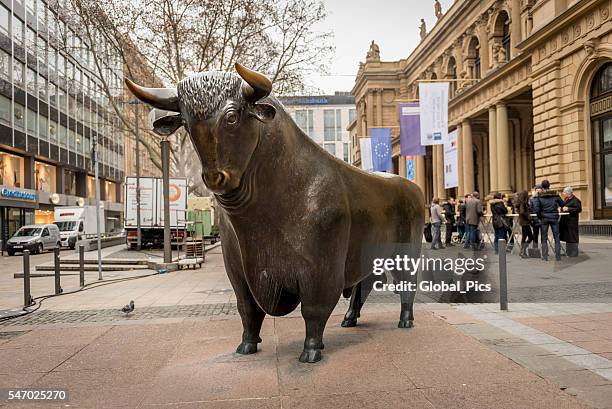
{"x": 128, "y": 308}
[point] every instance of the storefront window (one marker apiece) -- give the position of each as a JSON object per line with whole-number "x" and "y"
{"x": 70, "y": 182}
{"x": 43, "y": 127}
{"x": 43, "y": 216}
{"x": 111, "y": 191}
{"x": 91, "y": 187}
{"x": 45, "y": 177}
{"x": 63, "y": 136}
{"x": 11, "y": 170}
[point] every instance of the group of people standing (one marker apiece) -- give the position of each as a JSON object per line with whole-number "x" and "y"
{"x": 536, "y": 213}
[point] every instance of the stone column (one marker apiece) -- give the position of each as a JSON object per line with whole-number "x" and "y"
{"x": 369, "y": 112}
{"x": 483, "y": 39}
{"x": 503, "y": 148}
{"x": 439, "y": 171}
{"x": 419, "y": 170}
{"x": 493, "y": 149}
{"x": 379, "y": 107}
{"x": 461, "y": 187}
{"x": 468, "y": 156}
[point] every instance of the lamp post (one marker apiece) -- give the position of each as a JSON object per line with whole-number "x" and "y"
{"x": 137, "y": 137}
{"x": 165, "y": 157}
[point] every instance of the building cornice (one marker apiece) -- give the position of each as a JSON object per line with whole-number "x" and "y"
{"x": 550, "y": 28}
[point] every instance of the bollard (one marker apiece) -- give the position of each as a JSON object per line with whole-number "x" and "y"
{"x": 2, "y": 248}
{"x": 27, "y": 297}
{"x": 81, "y": 265}
{"x": 503, "y": 276}
{"x": 56, "y": 261}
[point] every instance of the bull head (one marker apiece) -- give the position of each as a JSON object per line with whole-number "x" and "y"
{"x": 221, "y": 112}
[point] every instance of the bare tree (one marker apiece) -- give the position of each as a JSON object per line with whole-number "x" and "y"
{"x": 171, "y": 39}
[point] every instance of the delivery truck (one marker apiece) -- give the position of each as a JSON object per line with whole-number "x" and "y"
{"x": 76, "y": 223}
{"x": 152, "y": 210}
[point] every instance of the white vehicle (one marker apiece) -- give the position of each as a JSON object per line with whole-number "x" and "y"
{"x": 75, "y": 223}
{"x": 152, "y": 210}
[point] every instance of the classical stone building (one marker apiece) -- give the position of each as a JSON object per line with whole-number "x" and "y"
{"x": 531, "y": 100}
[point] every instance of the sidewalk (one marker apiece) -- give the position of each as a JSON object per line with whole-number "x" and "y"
{"x": 175, "y": 351}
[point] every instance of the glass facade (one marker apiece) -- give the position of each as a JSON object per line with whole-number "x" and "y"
{"x": 51, "y": 99}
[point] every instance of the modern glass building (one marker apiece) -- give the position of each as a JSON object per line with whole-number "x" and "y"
{"x": 52, "y": 108}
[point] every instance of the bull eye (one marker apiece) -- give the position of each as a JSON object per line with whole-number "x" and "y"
{"x": 231, "y": 118}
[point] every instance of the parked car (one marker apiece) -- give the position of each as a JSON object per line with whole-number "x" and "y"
{"x": 36, "y": 238}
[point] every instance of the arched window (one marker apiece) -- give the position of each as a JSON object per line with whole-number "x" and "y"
{"x": 502, "y": 32}
{"x": 601, "y": 126}
{"x": 474, "y": 57}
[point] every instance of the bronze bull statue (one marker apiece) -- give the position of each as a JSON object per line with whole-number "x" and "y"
{"x": 294, "y": 219}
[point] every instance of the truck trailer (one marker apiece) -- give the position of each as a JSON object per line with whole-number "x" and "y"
{"x": 152, "y": 210}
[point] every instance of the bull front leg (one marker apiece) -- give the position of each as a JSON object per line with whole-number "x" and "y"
{"x": 252, "y": 317}
{"x": 318, "y": 302}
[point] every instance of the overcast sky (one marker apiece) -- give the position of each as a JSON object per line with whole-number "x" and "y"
{"x": 392, "y": 24}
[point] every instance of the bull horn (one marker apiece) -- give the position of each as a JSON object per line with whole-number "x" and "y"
{"x": 257, "y": 86}
{"x": 160, "y": 98}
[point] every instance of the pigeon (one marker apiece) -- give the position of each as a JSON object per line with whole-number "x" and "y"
{"x": 128, "y": 308}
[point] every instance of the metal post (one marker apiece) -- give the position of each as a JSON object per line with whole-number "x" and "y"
{"x": 81, "y": 265}
{"x": 97, "y": 186}
{"x": 503, "y": 275}
{"x": 27, "y": 298}
{"x": 56, "y": 262}
{"x": 137, "y": 135}
{"x": 165, "y": 156}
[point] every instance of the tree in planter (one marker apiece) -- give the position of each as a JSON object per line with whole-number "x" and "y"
{"x": 174, "y": 38}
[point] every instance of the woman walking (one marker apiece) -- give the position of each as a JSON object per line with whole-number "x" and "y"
{"x": 499, "y": 211}
{"x": 524, "y": 220}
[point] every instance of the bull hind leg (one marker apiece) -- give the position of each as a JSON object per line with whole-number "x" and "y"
{"x": 361, "y": 291}
{"x": 406, "y": 295}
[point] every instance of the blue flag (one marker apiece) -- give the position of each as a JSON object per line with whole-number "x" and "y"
{"x": 381, "y": 149}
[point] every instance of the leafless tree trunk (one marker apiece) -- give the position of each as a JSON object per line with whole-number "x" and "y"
{"x": 175, "y": 38}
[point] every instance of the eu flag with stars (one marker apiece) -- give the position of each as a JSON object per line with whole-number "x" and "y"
{"x": 381, "y": 149}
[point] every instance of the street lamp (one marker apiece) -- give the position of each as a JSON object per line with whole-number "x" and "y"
{"x": 94, "y": 160}
{"x": 137, "y": 103}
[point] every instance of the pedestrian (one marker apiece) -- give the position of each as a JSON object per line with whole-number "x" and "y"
{"x": 498, "y": 215}
{"x": 437, "y": 218}
{"x": 536, "y": 226}
{"x": 449, "y": 214}
{"x": 473, "y": 213}
{"x": 568, "y": 226}
{"x": 524, "y": 220}
{"x": 461, "y": 220}
{"x": 546, "y": 206}
{"x": 509, "y": 203}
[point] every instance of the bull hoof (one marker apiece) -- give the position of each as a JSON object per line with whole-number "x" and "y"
{"x": 310, "y": 356}
{"x": 405, "y": 324}
{"x": 347, "y": 322}
{"x": 247, "y": 348}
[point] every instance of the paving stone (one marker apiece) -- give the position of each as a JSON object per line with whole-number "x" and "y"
{"x": 372, "y": 400}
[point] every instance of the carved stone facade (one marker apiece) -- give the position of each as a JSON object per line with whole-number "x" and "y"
{"x": 520, "y": 95}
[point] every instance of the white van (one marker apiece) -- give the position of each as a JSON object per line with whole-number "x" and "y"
{"x": 36, "y": 238}
{"x": 76, "y": 223}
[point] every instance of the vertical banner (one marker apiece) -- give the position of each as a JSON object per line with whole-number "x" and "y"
{"x": 410, "y": 168}
{"x": 381, "y": 149}
{"x": 410, "y": 129}
{"x": 433, "y": 102}
{"x": 451, "y": 165}
{"x": 365, "y": 150}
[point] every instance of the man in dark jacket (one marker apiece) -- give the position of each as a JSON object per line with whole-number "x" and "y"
{"x": 568, "y": 225}
{"x": 449, "y": 213}
{"x": 535, "y": 221}
{"x": 473, "y": 213}
{"x": 546, "y": 206}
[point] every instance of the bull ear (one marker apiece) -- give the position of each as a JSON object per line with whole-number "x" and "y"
{"x": 167, "y": 125}
{"x": 263, "y": 112}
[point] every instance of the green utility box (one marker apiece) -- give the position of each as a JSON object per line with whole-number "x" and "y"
{"x": 199, "y": 224}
